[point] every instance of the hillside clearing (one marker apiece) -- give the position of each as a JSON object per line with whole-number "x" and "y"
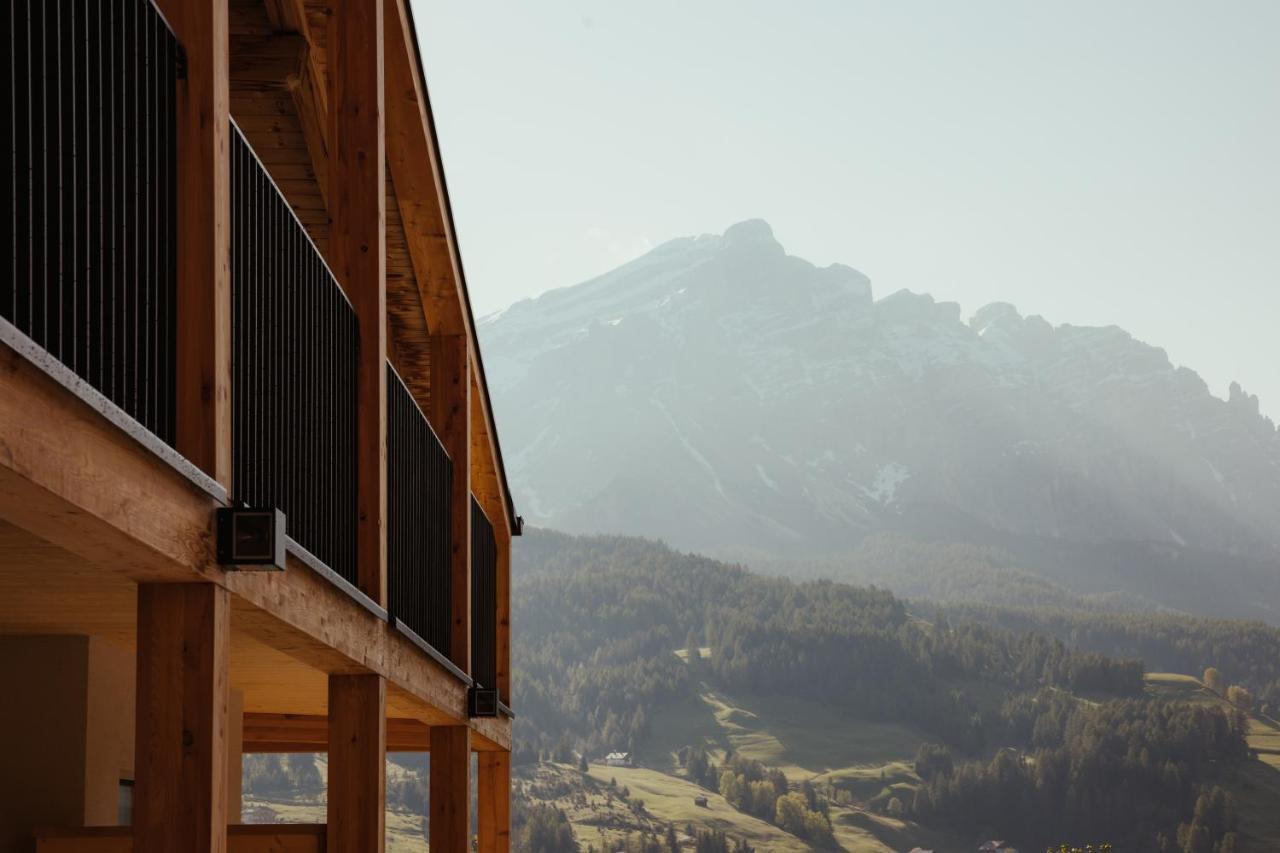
{"x": 800, "y": 737}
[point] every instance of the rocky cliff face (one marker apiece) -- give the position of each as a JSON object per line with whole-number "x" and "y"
{"x": 730, "y": 398}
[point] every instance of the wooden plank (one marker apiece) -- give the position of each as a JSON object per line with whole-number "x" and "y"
{"x": 180, "y": 792}
{"x": 235, "y": 755}
{"x": 493, "y": 802}
{"x": 266, "y": 732}
{"x": 311, "y": 103}
{"x": 293, "y": 838}
{"x": 127, "y": 517}
{"x": 449, "y": 789}
{"x": 357, "y": 763}
{"x": 503, "y": 537}
{"x": 286, "y": 15}
{"x": 357, "y": 251}
{"x": 450, "y": 416}
{"x": 416, "y": 171}
{"x": 418, "y": 175}
{"x": 266, "y": 60}
{"x": 204, "y": 214}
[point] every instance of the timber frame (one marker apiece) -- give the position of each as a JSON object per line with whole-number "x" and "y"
{"x": 107, "y": 530}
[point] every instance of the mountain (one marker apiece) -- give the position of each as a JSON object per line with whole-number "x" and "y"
{"x": 727, "y": 397}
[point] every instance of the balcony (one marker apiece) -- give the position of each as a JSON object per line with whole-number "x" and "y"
{"x": 92, "y": 298}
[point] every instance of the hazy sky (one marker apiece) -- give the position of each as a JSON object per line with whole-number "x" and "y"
{"x": 1093, "y": 162}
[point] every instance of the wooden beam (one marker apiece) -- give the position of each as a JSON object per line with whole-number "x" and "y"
{"x": 503, "y": 537}
{"x": 493, "y": 802}
{"x": 418, "y": 176}
{"x": 311, "y": 102}
{"x": 132, "y": 518}
{"x": 358, "y": 251}
{"x": 180, "y": 793}
{"x": 235, "y": 756}
{"x": 357, "y": 763}
{"x": 287, "y": 15}
{"x": 450, "y": 416}
{"x": 416, "y": 171}
{"x": 274, "y": 838}
{"x": 265, "y": 732}
{"x": 204, "y": 214}
{"x": 267, "y": 61}
{"x": 450, "y": 789}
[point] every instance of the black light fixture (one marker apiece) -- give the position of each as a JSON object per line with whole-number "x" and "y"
{"x": 251, "y": 538}
{"x": 482, "y": 702}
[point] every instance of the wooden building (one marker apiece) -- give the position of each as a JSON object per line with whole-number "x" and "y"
{"x": 233, "y": 296}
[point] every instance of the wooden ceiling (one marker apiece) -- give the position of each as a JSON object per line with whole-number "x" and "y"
{"x": 279, "y": 99}
{"x": 281, "y": 112}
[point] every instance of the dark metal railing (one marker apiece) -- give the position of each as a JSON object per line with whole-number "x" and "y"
{"x": 294, "y": 345}
{"x": 419, "y": 477}
{"x": 484, "y": 600}
{"x": 91, "y": 195}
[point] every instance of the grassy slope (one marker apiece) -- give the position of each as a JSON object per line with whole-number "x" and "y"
{"x": 804, "y": 739}
{"x": 798, "y": 736}
{"x": 404, "y": 829}
{"x": 670, "y": 800}
{"x": 1256, "y": 786}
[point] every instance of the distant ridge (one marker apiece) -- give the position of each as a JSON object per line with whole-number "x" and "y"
{"x": 727, "y": 397}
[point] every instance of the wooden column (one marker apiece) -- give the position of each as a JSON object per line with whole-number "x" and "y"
{"x": 450, "y": 789}
{"x": 357, "y": 763}
{"x": 493, "y": 807}
{"x": 204, "y": 215}
{"x": 503, "y": 534}
{"x": 357, "y": 250}
{"x": 451, "y": 419}
{"x": 180, "y": 758}
{"x": 235, "y": 756}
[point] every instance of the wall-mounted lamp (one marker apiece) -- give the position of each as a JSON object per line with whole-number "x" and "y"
{"x": 482, "y": 702}
{"x": 251, "y": 538}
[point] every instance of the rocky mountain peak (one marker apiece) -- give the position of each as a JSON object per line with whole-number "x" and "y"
{"x": 730, "y": 398}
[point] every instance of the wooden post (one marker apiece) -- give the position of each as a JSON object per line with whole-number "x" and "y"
{"x": 450, "y": 789}
{"x": 180, "y": 760}
{"x": 357, "y": 763}
{"x": 493, "y": 787}
{"x": 357, "y": 251}
{"x": 235, "y": 756}
{"x": 503, "y": 535}
{"x": 451, "y": 419}
{"x": 204, "y": 216}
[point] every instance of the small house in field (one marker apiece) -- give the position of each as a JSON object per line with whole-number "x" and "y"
{"x": 700, "y": 801}
{"x": 618, "y": 759}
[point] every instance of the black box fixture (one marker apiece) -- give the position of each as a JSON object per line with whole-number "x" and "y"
{"x": 482, "y": 702}
{"x": 251, "y": 538}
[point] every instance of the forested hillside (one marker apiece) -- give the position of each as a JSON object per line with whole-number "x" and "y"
{"x": 1021, "y": 721}
{"x": 600, "y": 618}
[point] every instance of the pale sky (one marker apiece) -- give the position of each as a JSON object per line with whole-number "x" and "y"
{"x": 1095, "y": 162}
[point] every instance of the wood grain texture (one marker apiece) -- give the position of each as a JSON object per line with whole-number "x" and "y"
{"x": 357, "y": 252}
{"x": 204, "y": 232}
{"x": 449, "y": 791}
{"x": 180, "y": 793}
{"x": 493, "y": 802}
{"x": 295, "y": 838}
{"x": 415, "y": 168}
{"x": 109, "y": 515}
{"x": 357, "y": 763}
{"x": 265, "y": 732}
{"x": 450, "y": 416}
{"x": 503, "y": 537}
